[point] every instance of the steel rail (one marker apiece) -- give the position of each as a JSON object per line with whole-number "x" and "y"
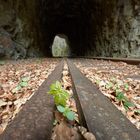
{"x": 97, "y": 112}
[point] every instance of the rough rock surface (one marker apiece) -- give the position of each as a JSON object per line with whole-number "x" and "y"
{"x": 117, "y": 27}
{"x": 93, "y": 27}
{"x": 19, "y": 28}
{"x": 6, "y": 44}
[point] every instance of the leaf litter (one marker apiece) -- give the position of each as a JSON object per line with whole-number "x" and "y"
{"x": 18, "y": 82}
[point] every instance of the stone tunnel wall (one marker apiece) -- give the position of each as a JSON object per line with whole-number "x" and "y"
{"x": 117, "y": 28}
{"x": 19, "y": 28}
{"x": 113, "y": 28}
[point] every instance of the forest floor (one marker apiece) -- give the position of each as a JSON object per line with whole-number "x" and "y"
{"x": 18, "y": 82}
{"x": 20, "y": 79}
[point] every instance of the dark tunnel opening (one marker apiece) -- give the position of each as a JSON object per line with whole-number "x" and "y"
{"x": 93, "y": 27}
{"x": 68, "y": 17}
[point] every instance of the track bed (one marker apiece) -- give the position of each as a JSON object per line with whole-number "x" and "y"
{"x": 94, "y": 87}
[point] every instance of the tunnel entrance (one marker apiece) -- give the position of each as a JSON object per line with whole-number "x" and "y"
{"x": 60, "y": 46}
{"x": 93, "y": 27}
{"x": 68, "y": 17}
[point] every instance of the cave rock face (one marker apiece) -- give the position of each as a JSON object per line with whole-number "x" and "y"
{"x": 95, "y": 27}
{"x": 92, "y": 27}
{"x": 19, "y": 32}
{"x": 117, "y": 25}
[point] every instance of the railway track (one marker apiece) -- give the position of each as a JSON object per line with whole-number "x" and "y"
{"x": 96, "y": 112}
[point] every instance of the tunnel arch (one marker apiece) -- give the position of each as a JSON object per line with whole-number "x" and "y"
{"x": 94, "y": 27}
{"x": 71, "y": 18}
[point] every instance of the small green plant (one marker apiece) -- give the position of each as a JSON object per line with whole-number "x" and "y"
{"x": 23, "y": 83}
{"x": 109, "y": 85}
{"x": 60, "y": 98}
{"x": 66, "y": 111}
{"x": 98, "y": 82}
{"x": 60, "y": 95}
{"x": 120, "y": 95}
{"x": 122, "y": 98}
{"x": 126, "y": 86}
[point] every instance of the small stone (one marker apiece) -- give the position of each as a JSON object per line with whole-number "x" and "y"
{"x": 89, "y": 136}
{"x": 82, "y": 129}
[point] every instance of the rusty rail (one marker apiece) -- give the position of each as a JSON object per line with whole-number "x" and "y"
{"x": 126, "y": 60}
{"x": 97, "y": 113}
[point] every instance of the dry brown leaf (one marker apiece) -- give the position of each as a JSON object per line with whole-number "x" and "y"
{"x": 64, "y": 132}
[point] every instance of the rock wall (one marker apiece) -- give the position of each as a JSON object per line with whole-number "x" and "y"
{"x": 19, "y": 28}
{"x": 117, "y": 28}
{"x": 94, "y": 27}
